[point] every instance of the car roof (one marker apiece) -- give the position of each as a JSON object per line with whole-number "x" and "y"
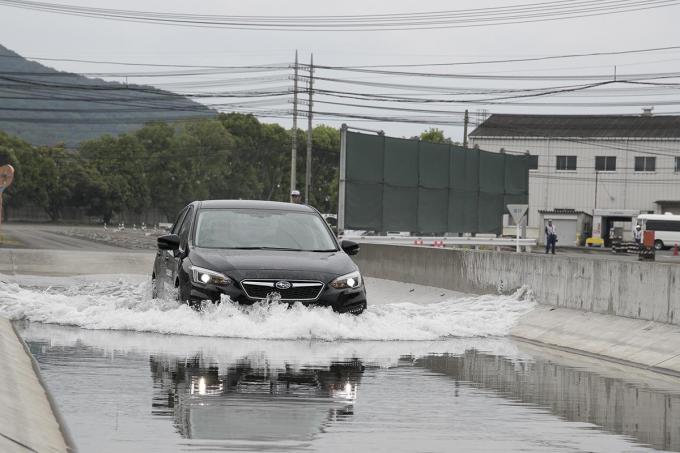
{"x": 253, "y": 204}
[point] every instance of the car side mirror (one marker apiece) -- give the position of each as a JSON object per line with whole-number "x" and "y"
{"x": 168, "y": 242}
{"x": 350, "y": 247}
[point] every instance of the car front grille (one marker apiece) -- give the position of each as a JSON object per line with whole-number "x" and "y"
{"x": 267, "y": 289}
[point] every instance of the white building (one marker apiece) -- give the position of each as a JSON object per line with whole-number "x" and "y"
{"x": 619, "y": 165}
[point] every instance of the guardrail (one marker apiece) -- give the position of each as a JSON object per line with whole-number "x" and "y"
{"x": 447, "y": 241}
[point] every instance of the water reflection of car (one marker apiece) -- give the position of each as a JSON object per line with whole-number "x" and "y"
{"x": 249, "y": 402}
{"x": 257, "y": 250}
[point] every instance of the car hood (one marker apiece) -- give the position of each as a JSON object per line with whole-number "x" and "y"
{"x": 240, "y": 264}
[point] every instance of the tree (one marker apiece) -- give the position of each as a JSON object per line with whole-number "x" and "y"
{"x": 435, "y": 135}
{"x": 325, "y": 168}
{"x": 260, "y": 159}
{"x": 119, "y": 166}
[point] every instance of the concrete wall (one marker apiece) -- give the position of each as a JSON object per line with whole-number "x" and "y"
{"x": 641, "y": 290}
{"x": 29, "y": 420}
{"x": 635, "y": 410}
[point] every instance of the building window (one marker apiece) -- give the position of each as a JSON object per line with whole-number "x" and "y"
{"x": 566, "y": 163}
{"x": 645, "y": 163}
{"x": 605, "y": 163}
{"x": 677, "y": 164}
{"x": 533, "y": 162}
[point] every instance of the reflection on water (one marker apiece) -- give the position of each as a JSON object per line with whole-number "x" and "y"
{"x": 649, "y": 416}
{"x": 133, "y": 392}
{"x": 250, "y": 400}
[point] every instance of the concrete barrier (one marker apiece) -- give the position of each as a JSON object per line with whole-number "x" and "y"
{"x": 74, "y": 262}
{"x": 30, "y": 422}
{"x": 640, "y": 290}
{"x": 611, "y": 400}
{"x": 621, "y": 311}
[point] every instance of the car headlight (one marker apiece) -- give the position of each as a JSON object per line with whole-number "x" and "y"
{"x": 208, "y": 277}
{"x": 351, "y": 280}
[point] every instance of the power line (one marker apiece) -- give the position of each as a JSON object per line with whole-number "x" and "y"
{"x": 477, "y": 17}
{"x": 519, "y": 60}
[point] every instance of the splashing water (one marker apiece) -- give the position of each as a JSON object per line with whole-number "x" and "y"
{"x": 127, "y": 305}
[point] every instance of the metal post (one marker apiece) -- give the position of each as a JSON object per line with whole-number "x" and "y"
{"x": 293, "y": 152}
{"x": 308, "y": 172}
{"x": 465, "y": 129}
{"x": 518, "y": 237}
{"x": 596, "y": 174}
{"x": 343, "y": 172}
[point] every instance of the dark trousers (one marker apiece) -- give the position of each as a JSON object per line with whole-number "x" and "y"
{"x": 550, "y": 242}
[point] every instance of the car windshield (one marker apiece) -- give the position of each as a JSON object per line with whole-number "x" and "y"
{"x": 262, "y": 229}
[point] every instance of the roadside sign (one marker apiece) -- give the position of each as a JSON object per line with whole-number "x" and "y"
{"x": 517, "y": 211}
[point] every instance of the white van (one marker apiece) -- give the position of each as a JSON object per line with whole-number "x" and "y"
{"x": 666, "y": 228}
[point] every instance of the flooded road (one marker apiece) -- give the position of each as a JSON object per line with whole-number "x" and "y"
{"x": 423, "y": 369}
{"x": 140, "y": 392}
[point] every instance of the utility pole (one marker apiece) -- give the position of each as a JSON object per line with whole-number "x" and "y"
{"x": 308, "y": 173}
{"x": 465, "y": 129}
{"x": 293, "y": 152}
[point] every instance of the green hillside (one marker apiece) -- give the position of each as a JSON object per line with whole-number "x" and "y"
{"x": 44, "y": 106}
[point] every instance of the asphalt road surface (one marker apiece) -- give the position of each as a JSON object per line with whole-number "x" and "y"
{"x": 46, "y": 237}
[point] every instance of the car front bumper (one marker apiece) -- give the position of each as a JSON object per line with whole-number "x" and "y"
{"x": 341, "y": 300}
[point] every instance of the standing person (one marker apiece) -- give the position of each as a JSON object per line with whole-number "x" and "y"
{"x": 637, "y": 235}
{"x": 295, "y": 197}
{"x": 550, "y": 237}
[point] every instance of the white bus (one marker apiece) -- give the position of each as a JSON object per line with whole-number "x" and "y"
{"x": 666, "y": 228}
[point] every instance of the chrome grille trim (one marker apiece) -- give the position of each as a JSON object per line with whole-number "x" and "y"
{"x": 271, "y": 283}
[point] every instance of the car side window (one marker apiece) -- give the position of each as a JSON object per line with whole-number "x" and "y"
{"x": 184, "y": 229}
{"x": 178, "y": 222}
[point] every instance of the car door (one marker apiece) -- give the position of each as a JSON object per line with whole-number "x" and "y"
{"x": 164, "y": 257}
{"x": 174, "y": 263}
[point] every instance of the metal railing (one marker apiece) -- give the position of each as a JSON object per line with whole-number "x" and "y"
{"x": 445, "y": 241}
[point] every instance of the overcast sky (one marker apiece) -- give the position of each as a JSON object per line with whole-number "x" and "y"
{"x": 42, "y": 34}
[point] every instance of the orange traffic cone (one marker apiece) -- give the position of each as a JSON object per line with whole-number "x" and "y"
{"x": 675, "y": 249}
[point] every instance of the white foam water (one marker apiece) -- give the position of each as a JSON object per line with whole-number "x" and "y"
{"x": 125, "y": 304}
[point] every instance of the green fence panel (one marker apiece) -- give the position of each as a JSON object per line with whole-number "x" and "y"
{"x": 401, "y": 162}
{"x": 464, "y": 169}
{"x": 490, "y": 212}
{"x": 400, "y": 208}
{"x": 363, "y": 202}
{"x": 433, "y": 208}
{"x": 365, "y": 157}
{"x": 463, "y": 212}
{"x": 433, "y": 165}
{"x": 491, "y": 172}
{"x": 517, "y": 174}
{"x": 407, "y": 185}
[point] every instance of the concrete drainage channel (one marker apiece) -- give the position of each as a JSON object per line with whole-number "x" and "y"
{"x": 31, "y": 421}
{"x": 622, "y": 311}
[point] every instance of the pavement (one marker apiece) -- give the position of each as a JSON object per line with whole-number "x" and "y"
{"x": 68, "y": 237}
{"x": 663, "y": 256}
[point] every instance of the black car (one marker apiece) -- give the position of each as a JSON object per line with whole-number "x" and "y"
{"x": 257, "y": 250}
